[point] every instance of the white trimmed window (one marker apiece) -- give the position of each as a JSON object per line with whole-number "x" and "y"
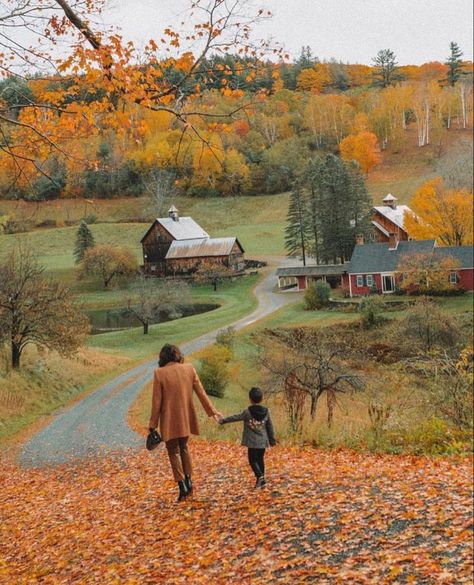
{"x": 370, "y": 280}
{"x": 453, "y": 277}
{"x": 360, "y": 280}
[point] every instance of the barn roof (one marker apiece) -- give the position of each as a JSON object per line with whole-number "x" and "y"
{"x": 396, "y": 216}
{"x": 321, "y": 270}
{"x": 201, "y": 248}
{"x": 463, "y": 254}
{"x": 373, "y": 258}
{"x": 185, "y": 228}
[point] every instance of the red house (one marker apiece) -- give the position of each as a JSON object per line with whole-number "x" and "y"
{"x": 373, "y": 267}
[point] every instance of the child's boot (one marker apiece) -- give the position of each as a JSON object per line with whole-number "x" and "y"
{"x": 260, "y": 482}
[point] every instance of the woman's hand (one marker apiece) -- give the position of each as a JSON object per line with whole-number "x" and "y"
{"x": 218, "y": 417}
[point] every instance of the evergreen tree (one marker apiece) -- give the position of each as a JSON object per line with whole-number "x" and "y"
{"x": 454, "y": 64}
{"x": 339, "y": 208}
{"x": 84, "y": 240}
{"x": 297, "y": 224}
{"x": 386, "y": 68}
{"x": 314, "y": 181}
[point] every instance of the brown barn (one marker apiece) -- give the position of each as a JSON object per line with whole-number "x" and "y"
{"x": 177, "y": 246}
{"x": 389, "y": 219}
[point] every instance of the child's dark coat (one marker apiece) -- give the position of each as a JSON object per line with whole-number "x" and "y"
{"x": 258, "y": 430}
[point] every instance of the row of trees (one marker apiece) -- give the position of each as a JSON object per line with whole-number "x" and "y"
{"x": 256, "y": 149}
{"x": 328, "y": 207}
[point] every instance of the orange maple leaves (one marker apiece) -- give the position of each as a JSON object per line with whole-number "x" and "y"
{"x": 325, "y": 517}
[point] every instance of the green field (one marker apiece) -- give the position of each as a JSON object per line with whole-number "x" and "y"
{"x": 235, "y": 298}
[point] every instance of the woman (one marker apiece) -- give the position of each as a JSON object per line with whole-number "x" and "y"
{"x": 173, "y": 407}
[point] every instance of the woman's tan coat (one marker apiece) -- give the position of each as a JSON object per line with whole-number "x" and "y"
{"x": 172, "y": 403}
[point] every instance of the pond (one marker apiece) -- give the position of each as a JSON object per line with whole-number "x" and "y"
{"x": 119, "y": 318}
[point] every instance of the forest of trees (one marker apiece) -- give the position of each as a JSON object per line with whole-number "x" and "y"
{"x": 259, "y": 125}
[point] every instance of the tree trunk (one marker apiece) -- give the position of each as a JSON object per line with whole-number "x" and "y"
{"x": 145, "y": 328}
{"x": 314, "y": 403}
{"x": 16, "y": 354}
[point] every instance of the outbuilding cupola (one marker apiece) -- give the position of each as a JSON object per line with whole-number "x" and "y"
{"x": 173, "y": 213}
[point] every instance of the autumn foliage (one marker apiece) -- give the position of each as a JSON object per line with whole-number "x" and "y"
{"x": 441, "y": 213}
{"x": 362, "y": 148}
{"x": 326, "y": 517}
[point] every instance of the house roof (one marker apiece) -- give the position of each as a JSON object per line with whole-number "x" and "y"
{"x": 396, "y": 216}
{"x": 201, "y": 248}
{"x": 375, "y": 258}
{"x": 381, "y": 228}
{"x": 185, "y": 228}
{"x": 463, "y": 254}
{"x": 321, "y": 270}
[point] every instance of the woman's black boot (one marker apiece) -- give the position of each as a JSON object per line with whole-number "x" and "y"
{"x": 189, "y": 484}
{"x": 183, "y": 491}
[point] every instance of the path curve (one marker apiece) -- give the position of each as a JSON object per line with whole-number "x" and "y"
{"x": 97, "y": 424}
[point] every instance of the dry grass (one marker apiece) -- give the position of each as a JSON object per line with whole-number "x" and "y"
{"x": 47, "y": 381}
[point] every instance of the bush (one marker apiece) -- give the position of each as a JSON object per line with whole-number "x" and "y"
{"x": 317, "y": 296}
{"x": 432, "y": 437}
{"x": 226, "y": 338}
{"x": 214, "y": 370}
{"x": 371, "y": 309}
{"x": 426, "y": 327}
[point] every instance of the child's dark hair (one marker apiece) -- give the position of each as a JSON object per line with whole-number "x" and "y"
{"x": 256, "y": 395}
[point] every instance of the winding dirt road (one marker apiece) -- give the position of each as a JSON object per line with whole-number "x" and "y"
{"x": 98, "y": 423}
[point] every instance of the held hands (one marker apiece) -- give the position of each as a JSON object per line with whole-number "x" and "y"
{"x": 218, "y": 417}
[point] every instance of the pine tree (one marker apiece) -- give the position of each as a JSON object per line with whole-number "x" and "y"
{"x": 297, "y": 224}
{"x": 339, "y": 208}
{"x": 385, "y": 68}
{"x": 84, "y": 240}
{"x": 454, "y": 64}
{"x": 314, "y": 180}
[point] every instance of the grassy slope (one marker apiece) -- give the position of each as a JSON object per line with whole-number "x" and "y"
{"x": 348, "y": 420}
{"x": 235, "y": 300}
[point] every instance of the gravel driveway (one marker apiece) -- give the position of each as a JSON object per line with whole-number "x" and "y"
{"x": 98, "y": 423}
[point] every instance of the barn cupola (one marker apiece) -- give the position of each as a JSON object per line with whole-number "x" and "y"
{"x": 173, "y": 213}
{"x": 390, "y": 201}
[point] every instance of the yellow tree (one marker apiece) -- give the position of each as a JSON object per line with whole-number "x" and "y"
{"x": 424, "y": 274}
{"x": 362, "y": 148}
{"x": 315, "y": 79}
{"x": 102, "y": 76}
{"x": 443, "y": 214}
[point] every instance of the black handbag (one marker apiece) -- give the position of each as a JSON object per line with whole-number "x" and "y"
{"x": 153, "y": 439}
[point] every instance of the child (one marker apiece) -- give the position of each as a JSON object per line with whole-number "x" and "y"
{"x": 257, "y": 434}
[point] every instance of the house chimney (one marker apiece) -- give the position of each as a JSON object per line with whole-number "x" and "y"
{"x": 360, "y": 240}
{"x": 173, "y": 213}
{"x": 392, "y": 241}
{"x": 390, "y": 201}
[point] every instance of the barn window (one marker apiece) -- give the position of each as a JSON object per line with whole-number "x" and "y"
{"x": 453, "y": 278}
{"x": 360, "y": 280}
{"x": 370, "y": 280}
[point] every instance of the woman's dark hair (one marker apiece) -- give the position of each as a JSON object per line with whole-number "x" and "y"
{"x": 256, "y": 395}
{"x": 170, "y": 353}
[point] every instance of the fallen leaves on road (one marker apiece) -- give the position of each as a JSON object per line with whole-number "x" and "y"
{"x": 325, "y": 517}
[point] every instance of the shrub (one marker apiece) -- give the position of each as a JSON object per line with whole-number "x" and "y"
{"x": 214, "y": 370}
{"x": 432, "y": 437}
{"x": 371, "y": 309}
{"x": 317, "y": 296}
{"x": 226, "y": 337}
{"x": 426, "y": 327}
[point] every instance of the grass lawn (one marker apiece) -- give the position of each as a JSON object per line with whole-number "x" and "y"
{"x": 235, "y": 299}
